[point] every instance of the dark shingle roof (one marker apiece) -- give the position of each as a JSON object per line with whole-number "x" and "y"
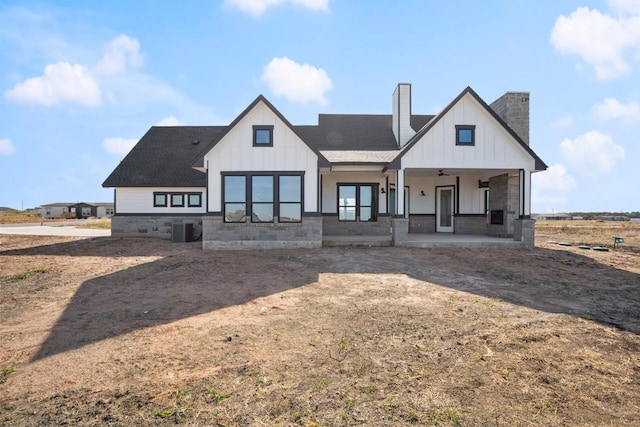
{"x": 163, "y": 157}
{"x": 355, "y": 131}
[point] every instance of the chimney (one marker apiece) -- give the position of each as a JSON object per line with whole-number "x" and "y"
{"x": 513, "y": 108}
{"x": 401, "y": 117}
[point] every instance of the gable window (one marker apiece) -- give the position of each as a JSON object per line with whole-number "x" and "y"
{"x": 194, "y": 200}
{"x": 269, "y": 197}
{"x": 357, "y": 202}
{"x": 159, "y": 200}
{"x": 465, "y": 135}
{"x": 263, "y": 136}
{"x": 177, "y": 200}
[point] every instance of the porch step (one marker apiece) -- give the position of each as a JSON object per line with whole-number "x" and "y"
{"x": 361, "y": 241}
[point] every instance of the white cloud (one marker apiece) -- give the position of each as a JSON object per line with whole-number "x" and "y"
{"x": 599, "y": 39}
{"x": 563, "y": 122}
{"x": 119, "y": 145}
{"x": 6, "y": 147}
{"x": 296, "y": 82}
{"x": 257, "y": 7}
{"x": 550, "y": 189}
{"x": 60, "y": 82}
{"x": 120, "y": 53}
{"x": 592, "y": 154}
{"x": 169, "y": 121}
{"x": 611, "y": 108}
{"x": 625, "y": 6}
{"x": 65, "y": 82}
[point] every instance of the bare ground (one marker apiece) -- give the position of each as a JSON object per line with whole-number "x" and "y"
{"x": 109, "y": 331}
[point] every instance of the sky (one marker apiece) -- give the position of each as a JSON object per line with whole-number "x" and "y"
{"x": 81, "y": 82}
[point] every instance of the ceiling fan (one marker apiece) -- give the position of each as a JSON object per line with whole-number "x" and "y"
{"x": 441, "y": 173}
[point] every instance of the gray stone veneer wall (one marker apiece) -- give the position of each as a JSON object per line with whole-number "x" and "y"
{"x": 504, "y": 195}
{"x": 152, "y": 225}
{"x": 422, "y": 223}
{"x": 471, "y": 224}
{"x": 331, "y": 226}
{"x": 513, "y": 108}
{"x": 217, "y": 234}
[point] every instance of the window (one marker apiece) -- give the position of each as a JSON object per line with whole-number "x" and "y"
{"x": 465, "y": 135}
{"x": 159, "y": 200}
{"x": 108, "y": 211}
{"x": 290, "y": 193}
{"x": 86, "y": 212}
{"x": 262, "y": 198}
{"x": 194, "y": 200}
{"x": 357, "y": 202}
{"x": 267, "y": 197}
{"x": 177, "y": 200}
{"x": 235, "y": 198}
{"x": 263, "y": 136}
{"x": 486, "y": 201}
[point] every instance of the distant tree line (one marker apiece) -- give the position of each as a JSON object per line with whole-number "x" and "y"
{"x": 596, "y": 215}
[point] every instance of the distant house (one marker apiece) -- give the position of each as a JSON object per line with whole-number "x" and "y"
{"x": 262, "y": 182}
{"x": 77, "y": 210}
{"x": 553, "y": 216}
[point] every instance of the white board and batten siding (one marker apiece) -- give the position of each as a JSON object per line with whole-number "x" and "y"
{"x": 236, "y": 153}
{"x": 494, "y": 147}
{"x": 330, "y": 188}
{"x": 470, "y": 196}
{"x": 139, "y": 200}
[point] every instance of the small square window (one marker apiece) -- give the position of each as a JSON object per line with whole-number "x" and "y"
{"x": 177, "y": 200}
{"x": 465, "y": 135}
{"x": 159, "y": 200}
{"x": 263, "y": 136}
{"x": 194, "y": 200}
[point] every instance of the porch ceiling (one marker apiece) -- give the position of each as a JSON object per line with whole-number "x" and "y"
{"x": 480, "y": 173}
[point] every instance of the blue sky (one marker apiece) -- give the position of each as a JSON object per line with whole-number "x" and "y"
{"x": 81, "y": 82}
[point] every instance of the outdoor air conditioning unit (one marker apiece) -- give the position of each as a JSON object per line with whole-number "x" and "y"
{"x": 181, "y": 233}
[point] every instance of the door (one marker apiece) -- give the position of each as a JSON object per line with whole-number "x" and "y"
{"x": 444, "y": 209}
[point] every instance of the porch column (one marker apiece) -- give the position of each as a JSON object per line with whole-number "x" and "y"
{"x": 400, "y": 194}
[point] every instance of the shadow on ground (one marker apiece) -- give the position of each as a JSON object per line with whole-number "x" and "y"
{"x": 187, "y": 281}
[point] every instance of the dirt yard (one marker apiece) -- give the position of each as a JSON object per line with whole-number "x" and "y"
{"x": 109, "y": 331}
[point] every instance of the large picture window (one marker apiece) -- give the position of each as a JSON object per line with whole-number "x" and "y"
{"x": 357, "y": 202}
{"x": 262, "y": 198}
{"x": 290, "y": 195}
{"x": 235, "y": 199}
{"x": 266, "y": 197}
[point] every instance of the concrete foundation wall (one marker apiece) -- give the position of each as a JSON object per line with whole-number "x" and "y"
{"x": 225, "y": 236}
{"x": 152, "y": 226}
{"x": 471, "y": 225}
{"x": 422, "y": 223}
{"x": 332, "y": 227}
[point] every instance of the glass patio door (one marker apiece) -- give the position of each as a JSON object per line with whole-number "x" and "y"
{"x": 444, "y": 209}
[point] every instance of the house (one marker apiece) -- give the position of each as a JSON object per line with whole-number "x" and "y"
{"x": 77, "y": 210}
{"x": 262, "y": 182}
{"x": 553, "y": 217}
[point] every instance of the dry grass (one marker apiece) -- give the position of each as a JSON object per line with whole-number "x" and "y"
{"x": 591, "y": 233}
